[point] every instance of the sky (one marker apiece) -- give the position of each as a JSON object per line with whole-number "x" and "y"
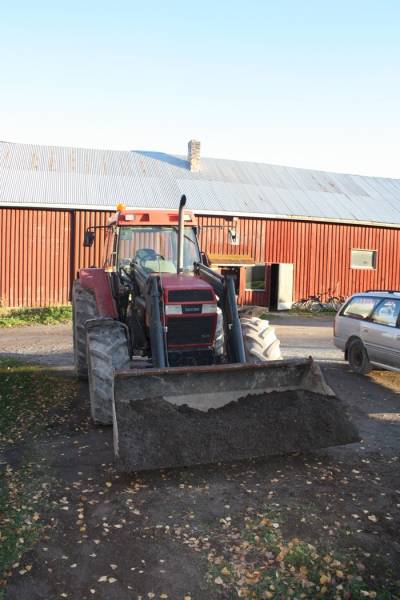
{"x": 305, "y": 83}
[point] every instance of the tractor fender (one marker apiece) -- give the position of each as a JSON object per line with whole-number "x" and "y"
{"x": 98, "y": 281}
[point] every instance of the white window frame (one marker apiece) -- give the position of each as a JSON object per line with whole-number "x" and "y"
{"x": 246, "y": 289}
{"x": 374, "y": 258}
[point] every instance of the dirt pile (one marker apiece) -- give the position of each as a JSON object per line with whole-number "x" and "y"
{"x": 154, "y": 433}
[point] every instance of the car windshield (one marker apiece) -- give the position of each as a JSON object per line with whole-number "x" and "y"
{"x": 155, "y": 249}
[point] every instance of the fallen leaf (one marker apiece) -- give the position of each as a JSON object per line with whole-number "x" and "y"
{"x": 252, "y": 577}
{"x": 339, "y": 574}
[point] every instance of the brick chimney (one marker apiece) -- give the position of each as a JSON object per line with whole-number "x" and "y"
{"x": 194, "y": 155}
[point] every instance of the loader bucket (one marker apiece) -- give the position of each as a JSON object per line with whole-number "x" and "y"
{"x": 198, "y": 415}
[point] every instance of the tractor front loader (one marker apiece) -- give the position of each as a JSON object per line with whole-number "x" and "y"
{"x": 183, "y": 378}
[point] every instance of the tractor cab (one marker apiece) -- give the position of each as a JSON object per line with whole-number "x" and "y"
{"x": 149, "y": 241}
{"x": 154, "y": 248}
{"x": 152, "y": 258}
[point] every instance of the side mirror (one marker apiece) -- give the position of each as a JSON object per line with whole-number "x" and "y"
{"x": 88, "y": 238}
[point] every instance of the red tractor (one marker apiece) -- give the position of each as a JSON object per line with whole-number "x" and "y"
{"x": 159, "y": 337}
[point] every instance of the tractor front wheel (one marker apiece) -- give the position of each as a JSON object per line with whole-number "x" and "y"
{"x": 107, "y": 350}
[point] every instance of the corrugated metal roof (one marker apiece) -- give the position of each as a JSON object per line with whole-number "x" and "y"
{"x": 57, "y": 177}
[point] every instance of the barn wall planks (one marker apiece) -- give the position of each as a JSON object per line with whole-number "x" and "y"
{"x": 41, "y": 252}
{"x": 34, "y": 257}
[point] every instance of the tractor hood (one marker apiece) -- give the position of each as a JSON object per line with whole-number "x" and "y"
{"x": 186, "y": 288}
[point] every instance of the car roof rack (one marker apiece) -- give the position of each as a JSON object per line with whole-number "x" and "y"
{"x": 384, "y": 291}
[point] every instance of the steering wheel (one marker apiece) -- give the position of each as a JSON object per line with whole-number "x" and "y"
{"x": 145, "y": 254}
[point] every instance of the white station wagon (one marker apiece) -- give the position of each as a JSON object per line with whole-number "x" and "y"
{"x": 367, "y": 329}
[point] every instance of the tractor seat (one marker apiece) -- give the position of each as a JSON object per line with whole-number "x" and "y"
{"x": 151, "y": 262}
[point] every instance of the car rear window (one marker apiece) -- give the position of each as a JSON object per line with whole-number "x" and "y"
{"x": 360, "y": 307}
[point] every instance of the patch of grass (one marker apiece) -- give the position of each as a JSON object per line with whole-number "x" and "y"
{"x": 50, "y": 315}
{"x": 255, "y": 562}
{"x": 307, "y": 313}
{"x": 28, "y": 399}
{"x": 31, "y": 401}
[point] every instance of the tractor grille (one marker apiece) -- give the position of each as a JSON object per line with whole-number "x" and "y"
{"x": 190, "y": 295}
{"x": 190, "y": 331}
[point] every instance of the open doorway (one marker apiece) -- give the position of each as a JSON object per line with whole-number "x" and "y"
{"x": 281, "y": 291}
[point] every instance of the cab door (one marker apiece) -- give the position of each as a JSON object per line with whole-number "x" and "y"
{"x": 381, "y": 333}
{"x": 109, "y": 251}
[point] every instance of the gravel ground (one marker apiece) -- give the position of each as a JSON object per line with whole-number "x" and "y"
{"x": 304, "y": 336}
{"x": 43, "y": 344}
{"x": 177, "y": 533}
{"x": 52, "y": 344}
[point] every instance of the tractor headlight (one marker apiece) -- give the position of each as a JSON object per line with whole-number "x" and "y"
{"x": 209, "y": 308}
{"x": 173, "y": 309}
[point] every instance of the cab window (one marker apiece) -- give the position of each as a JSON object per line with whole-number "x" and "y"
{"x": 360, "y": 307}
{"x": 108, "y": 248}
{"x": 387, "y": 313}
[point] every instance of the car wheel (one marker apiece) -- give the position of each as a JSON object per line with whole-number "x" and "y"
{"x": 358, "y": 357}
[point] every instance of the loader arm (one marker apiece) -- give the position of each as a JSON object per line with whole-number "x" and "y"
{"x": 225, "y": 289}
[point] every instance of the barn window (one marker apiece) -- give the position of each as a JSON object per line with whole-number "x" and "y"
{"x": 363, "y": 259}
{"x": 255, "y": 278}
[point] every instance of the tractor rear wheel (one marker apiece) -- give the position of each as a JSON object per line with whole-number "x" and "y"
{"x": 107, "y": 350}
{"x": 84, "y": 307}
{"x": 260, "y": 341}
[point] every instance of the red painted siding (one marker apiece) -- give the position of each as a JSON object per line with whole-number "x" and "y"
{"x": 34, "y": 257}
{"x": 41, "y": 251}
{"x": 320, "y": 253}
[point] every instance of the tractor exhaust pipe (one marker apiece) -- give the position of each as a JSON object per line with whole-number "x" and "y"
{"x": 181, "y": 233}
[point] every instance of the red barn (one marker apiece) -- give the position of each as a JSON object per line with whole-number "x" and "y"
{"x": 283, "y": 232}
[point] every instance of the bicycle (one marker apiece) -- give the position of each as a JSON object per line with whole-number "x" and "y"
{"x": 314, "y": 302}
{"x": 333, "y": 303}
{"x": 311, "y": 304}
